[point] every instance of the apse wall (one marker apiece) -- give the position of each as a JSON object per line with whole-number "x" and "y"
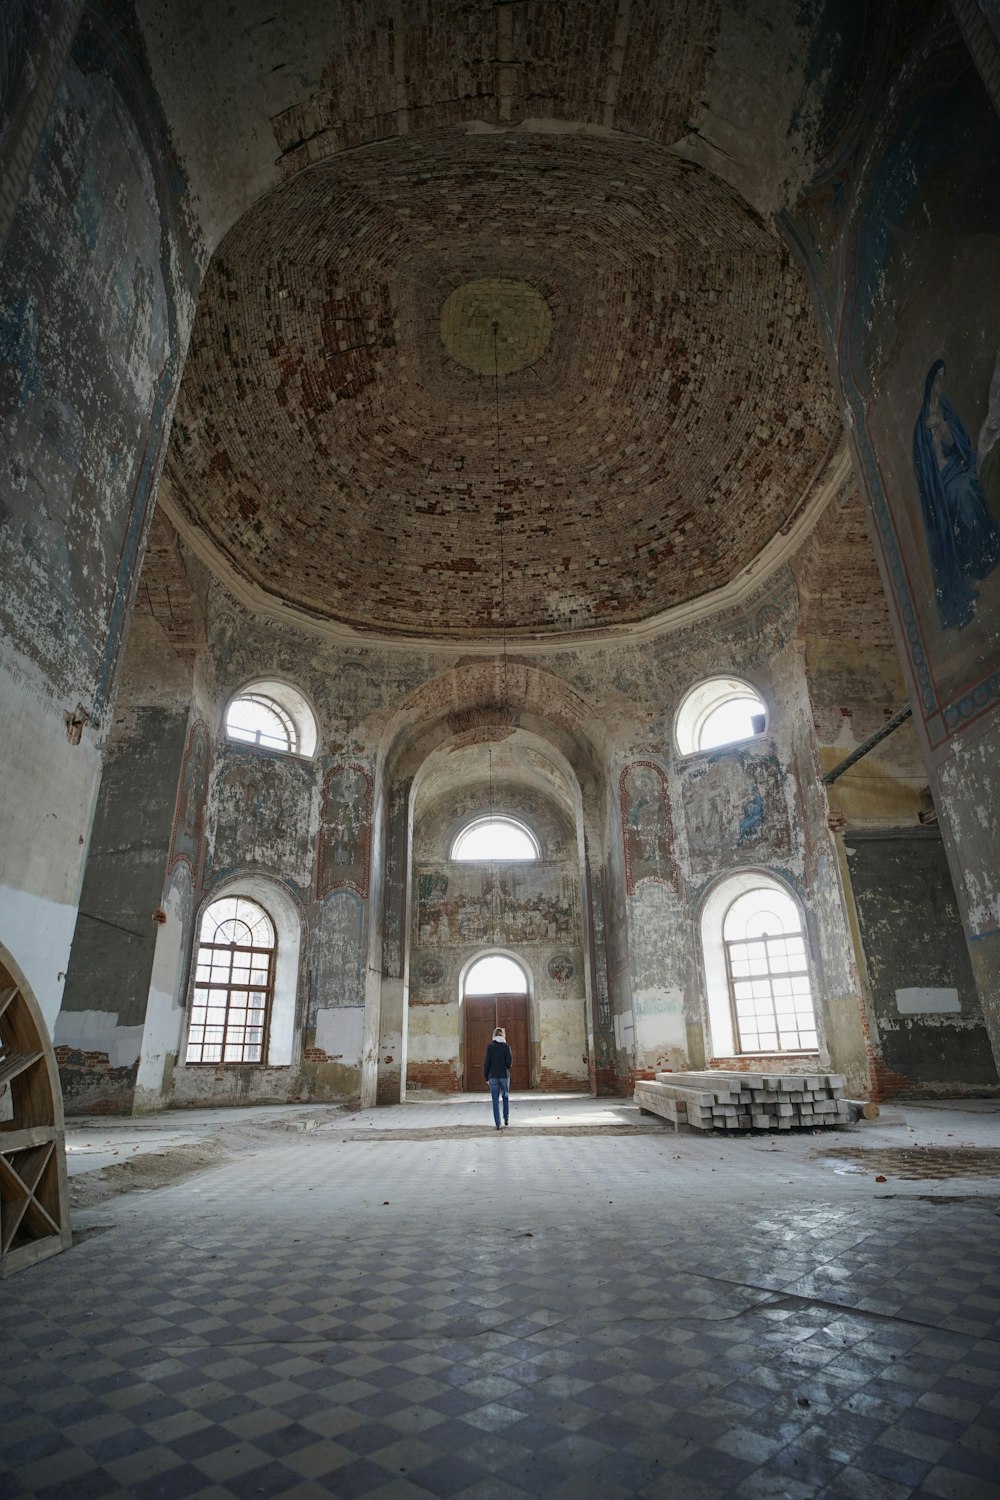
{"x": 660, "y": 830}
{"x": 529, "y": 909}
{"x": 377, "y": 965}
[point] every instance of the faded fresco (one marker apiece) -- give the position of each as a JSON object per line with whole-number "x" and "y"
{"x": 340, "y": 951}
{"x": 187, "y": 842}
{"x": 532, "y": 904}
{"x": 263, "y": 818}
{"x": 646, "y": 825}
{"x": 962, "y": 538}
{"x": 734, "y": 809}
{"x": 561, "y": 968}
{"x": 431, "y": 973}
{"x": 925, "y": 390}
{"x": 344, "y": 853}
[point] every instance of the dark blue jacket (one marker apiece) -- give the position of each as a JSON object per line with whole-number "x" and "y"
{"x": 498, "y": 1059}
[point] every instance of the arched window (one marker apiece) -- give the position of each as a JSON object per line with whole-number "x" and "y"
{"x": 722, "y": 711}
{"x": 273, "y": 716}
{"x": 769, "y": 974}
{"x": 496, "y": 975}
{"x": 234, "y": 984}
{"x": 756, "y": 969}
{"x": 488, "y": 839}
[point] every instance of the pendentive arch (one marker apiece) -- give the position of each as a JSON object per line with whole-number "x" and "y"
{"x": 466, "y": 706}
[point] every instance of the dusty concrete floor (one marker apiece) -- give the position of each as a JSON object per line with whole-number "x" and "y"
{"x": 107, "y": 1156}
{"x": 402, "y": 1303}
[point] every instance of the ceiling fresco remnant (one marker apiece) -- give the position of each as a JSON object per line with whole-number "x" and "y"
{"x": 335, "y": 443}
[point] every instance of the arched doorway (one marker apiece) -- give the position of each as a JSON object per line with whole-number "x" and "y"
{"x": 495, "y": 993}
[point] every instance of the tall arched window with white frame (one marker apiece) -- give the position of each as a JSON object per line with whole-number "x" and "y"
{"x": 758, "y": 973}
{"x": 767, "y": 969}
{"x": 233, "y": 984}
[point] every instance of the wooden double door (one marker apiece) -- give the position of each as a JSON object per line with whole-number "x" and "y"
{"x": 483, "y": 1014}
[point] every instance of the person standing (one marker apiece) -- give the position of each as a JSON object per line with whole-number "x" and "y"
{"x": 496, "y": 1070}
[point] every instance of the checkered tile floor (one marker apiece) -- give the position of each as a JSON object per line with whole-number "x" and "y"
{"x": 490, "y": 1319}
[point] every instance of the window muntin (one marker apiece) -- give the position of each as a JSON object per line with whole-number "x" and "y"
{"x": 255, "y": 719}
{"x": 496, "y": 975}
{"x": 721, "y": 711}
{"x": 234, "y": 980}
{"x": 768, "y": 973}
{"x": 272, "y": 715}
{"x": 495, "y": 839}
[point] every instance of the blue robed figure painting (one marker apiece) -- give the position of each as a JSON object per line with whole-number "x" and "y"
{"x": 962, "y": 538}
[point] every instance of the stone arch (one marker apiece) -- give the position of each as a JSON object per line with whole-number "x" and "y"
{"x": 458, "y": 710}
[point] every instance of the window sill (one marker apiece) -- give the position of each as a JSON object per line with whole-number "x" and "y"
{"x": 741, "y": 1059}
{"x": 270, "y": 752}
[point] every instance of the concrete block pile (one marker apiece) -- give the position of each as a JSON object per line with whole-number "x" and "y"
{"x": 746, "y": 1101}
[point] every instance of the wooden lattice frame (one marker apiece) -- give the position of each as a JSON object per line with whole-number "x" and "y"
{"x": 34, "y": 1201}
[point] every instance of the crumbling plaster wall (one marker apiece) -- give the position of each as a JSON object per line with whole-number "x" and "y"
{"x": 649, "y": 869}
{"x": 680, "y": 823}
{"x": 332, "y": 832}
{"x": 97, "y": 284}
{"x": 927, "y": 1017}
{"x": 116, "y": 1020}
{"x": 900, "y": 894}
{"x": 899, "y": 233}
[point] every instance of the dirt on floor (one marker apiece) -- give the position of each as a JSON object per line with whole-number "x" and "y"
{"x": 139, "y": 1173}
{"x": 919, "y": 1163}
{"x": 152, "y": 1169}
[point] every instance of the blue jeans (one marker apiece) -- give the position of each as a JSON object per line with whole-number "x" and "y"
{"x": 500, "y": 1087}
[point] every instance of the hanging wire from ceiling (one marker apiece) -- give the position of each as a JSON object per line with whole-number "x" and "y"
{"x": 490, "y": 749}
{"x": 500, "y": 519}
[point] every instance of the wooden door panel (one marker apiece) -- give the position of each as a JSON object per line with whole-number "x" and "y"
{"x": 512, "y": 1015}
{"x": 483, "y": 1014}
{"x": 480, "y": 1020}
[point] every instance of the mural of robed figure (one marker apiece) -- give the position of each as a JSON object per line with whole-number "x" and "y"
{"x": 962, "y": 537}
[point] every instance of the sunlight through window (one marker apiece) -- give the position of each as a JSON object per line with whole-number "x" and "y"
{"x": 491, "y": 839}
{"x": 721, "y": 711}
{"x": 496, "y": 975}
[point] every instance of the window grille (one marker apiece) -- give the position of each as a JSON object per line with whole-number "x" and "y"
{"x": 254, "y": 719}
{"x": 768, "y": 973}
{"x": 233, "y": 987}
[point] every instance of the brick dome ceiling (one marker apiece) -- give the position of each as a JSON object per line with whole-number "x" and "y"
{"x": 664, "y": 404}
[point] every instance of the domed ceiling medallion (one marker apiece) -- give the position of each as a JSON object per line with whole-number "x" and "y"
{"x": 512, "y": 309}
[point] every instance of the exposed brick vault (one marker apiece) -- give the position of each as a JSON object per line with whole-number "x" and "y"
{"x": 467, "y": 705}
{"x": 673, "y": 411}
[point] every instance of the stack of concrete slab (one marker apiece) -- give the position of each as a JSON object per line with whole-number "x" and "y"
{"x": 716, "y": 1100}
